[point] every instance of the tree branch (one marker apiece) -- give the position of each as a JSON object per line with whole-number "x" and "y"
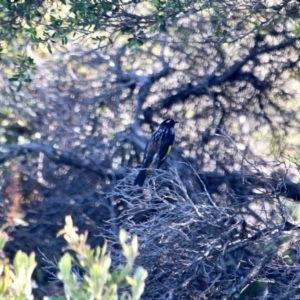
{"x": 57, "y": 156}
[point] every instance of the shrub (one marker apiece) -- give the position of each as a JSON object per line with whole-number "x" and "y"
{"x": 98, "y": 280}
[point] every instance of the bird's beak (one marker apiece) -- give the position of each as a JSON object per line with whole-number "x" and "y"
{"x": 176, "y": 121}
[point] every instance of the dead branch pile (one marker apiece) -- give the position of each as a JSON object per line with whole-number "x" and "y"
{"x": 197, "y": 247}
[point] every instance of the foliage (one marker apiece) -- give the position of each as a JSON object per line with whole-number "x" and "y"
{"x": 15, "y": 280}
{"x": 100, "y": 21}
{"x": 47, "y": 22}
{"x": 98, "y": 281}
{"x": 238, "y": 61}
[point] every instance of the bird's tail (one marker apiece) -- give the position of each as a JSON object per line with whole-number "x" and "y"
{"x": 140, "y": 179}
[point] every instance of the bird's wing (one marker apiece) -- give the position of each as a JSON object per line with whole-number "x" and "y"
{"x": 165, "y": 149}
{"x": 149, "y": 155}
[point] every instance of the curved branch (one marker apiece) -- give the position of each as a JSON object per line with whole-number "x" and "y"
{"x": 57, "y": 156}
{"x": 214, "y": 80}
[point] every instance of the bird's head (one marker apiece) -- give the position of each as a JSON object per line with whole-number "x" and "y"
{"x": 168, "y": 123}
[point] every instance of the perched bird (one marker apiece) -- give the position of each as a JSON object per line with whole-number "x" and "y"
{"x": 157, "y": 149}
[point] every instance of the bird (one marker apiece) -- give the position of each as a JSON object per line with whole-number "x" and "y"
{"x": 158, "y": 148}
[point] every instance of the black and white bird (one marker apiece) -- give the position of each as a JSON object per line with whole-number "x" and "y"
{"x": 158, "y": 148}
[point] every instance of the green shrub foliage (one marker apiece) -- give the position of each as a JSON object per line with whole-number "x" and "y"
{"x": 98, "y": 281}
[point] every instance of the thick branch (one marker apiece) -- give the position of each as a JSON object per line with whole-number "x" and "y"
{"x": 251, "y": 275}
{"x": 213, "y": 80}
{"x": 56, "y": 156}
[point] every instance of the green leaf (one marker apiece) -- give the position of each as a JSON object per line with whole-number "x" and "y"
{"x": 137, "y": 289}
{"x": 64, "y": 40}
{"x": 19, "y": 87}
{"x": 122, "y": 236}
{"x": 297, "y": 30}
{"x": 65, "y": 265}
{"x": 49, "y": 48}
{"x": 163, "y": 26}
{"x": 156, "y": 3}
{"x": 14, "y": 78}
{"x": 139, "y": 42}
